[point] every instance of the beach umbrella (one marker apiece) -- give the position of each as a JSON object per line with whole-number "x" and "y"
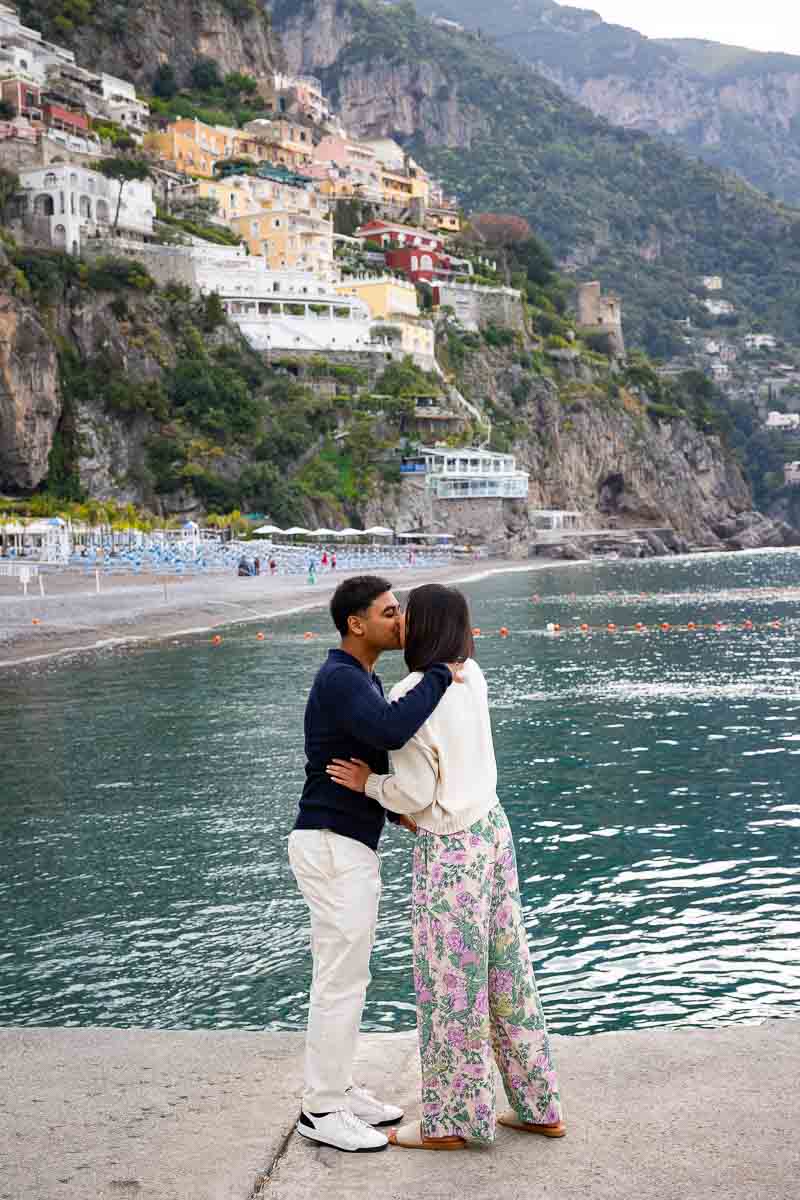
{"x": 324, "y": 533}
{"x": 382, "y": 530}
{"x": 296, "y": 529}
{"x": 268, "y": 529}
{"x": 350, "y": 533}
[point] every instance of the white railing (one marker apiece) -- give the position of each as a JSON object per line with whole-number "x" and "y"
{"x": 22, "y": 571}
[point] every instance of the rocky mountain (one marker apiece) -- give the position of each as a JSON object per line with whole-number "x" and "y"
{"x": 735, "y": 108}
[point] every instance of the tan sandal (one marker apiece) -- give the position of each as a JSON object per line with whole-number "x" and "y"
{"x": 411, "y": 1137}
{"x": 512, "y": 1121}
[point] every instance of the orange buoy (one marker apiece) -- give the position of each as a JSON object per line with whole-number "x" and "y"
{"x": 476, "y": 631}
{"x": 691, "y": 625}
{"x": 35, "y": 621}
{"x": 611, "y": 627}
{"x": 776, "y": 624}
{"x": 718, "y": 626}
{"x": 665, "y": 626}
{"x": 639, "y": 627}
{"x": 747, "y": 625}
{"x": 503, "y": 631}
{"x": 259, "y": 636}
{"x": 307, "y": 636}
{"x": 584, "y": 628}
{"x": 216, "y": 639}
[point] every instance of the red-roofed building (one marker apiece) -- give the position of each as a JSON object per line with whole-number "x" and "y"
{"x": 387, "y": 234}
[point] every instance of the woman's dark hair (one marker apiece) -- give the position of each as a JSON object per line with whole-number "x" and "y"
{"x": 438, "y": 627}
{"x": 353, "y": 597}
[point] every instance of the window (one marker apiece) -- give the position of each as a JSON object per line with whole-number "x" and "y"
{"x": 50, "y": 179}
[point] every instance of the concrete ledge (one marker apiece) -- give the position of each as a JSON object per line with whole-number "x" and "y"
{"x": 104, "y": 1114}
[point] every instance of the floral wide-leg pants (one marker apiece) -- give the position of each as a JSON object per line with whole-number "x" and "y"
{"x": 476, "y": 992}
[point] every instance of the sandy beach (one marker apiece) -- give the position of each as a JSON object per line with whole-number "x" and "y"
{"x": 72, "y": 616}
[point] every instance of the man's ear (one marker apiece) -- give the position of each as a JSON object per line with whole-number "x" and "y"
{"x": 355, "y": 625}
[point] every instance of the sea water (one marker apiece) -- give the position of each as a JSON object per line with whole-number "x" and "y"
{"x": 651, "y": 776}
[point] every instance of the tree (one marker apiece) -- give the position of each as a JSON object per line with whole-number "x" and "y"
{"x": 165, "y": 81}
{"x": 501, "y": 231}
{"x": 205, "y": 74}
{"x": 124, "y": 170}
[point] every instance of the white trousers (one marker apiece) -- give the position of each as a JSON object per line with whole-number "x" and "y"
{"x": 340, "y": 879}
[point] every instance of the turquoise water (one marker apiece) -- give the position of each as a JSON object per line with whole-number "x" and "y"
{"x": 651, "y": 780}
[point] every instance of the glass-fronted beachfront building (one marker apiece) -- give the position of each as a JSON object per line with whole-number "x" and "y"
{"x": 464, "y": 473}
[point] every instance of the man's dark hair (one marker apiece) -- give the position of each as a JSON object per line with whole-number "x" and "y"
{"x": 438, "y": 627}
{"x": 353, "y": 597}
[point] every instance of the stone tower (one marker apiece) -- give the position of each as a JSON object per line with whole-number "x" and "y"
{"x": 601, "y": 314}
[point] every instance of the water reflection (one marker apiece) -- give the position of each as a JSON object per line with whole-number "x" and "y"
{"x": 650, "y": 779}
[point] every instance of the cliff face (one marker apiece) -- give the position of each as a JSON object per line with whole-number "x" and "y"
{"x": 375, "y": 93}
{"x": 151, "y": 32}
{"x": 30, "y": 399}
{"x": 748, "y": 125}
{"x": 601, "y": 454}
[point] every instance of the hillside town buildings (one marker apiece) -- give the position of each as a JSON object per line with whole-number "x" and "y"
{"x": 274, "y": 187}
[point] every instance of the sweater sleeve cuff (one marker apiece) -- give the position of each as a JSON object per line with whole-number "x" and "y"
{"x": 374, "y": 786}
{"x": 441, "y": 672}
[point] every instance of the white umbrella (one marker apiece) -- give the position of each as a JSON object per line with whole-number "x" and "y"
{"x": 350, "y": 533}
{"x": 379, "y": 529}
{"x": 324, "y": 533}
{"x": 268, "y": 529}
{"x": 296, "y": 529}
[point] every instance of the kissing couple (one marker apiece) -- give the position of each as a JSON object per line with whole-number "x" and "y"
{"x": 477, "y": 1001}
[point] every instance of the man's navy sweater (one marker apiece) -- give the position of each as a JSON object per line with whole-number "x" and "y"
{"x": 347, "y": 717}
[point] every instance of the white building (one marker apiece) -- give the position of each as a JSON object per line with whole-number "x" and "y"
{"x": 25, "y": 53}
{"x": 760, "y": 341}
{"x": 719, "y": 308}
{"x": 791, "y": 474}
{"x": 465, "y": 473}
{"x": 79, "y": 203}
{"x": 712, "y": 283}
{"x": 778, "y": 420}
{"x": 287, "y": 320}
{"x": 720, "y": 372}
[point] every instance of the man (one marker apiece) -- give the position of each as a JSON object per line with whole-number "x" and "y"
{"x": 333, "y": 853}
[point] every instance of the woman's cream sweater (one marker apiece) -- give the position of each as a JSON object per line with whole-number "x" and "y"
{"x": 446, "y": 776}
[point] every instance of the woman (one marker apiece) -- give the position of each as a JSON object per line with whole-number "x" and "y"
{"x": 475, "y": 988}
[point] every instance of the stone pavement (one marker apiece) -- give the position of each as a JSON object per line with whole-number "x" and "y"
{"x": 128, "y": 1114}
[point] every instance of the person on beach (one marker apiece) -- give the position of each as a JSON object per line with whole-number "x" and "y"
{"x": 333, "y": 852}
{"x": 477, "y": 1000}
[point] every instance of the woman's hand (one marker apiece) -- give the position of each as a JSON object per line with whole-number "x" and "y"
{"x": 351, "y": 774}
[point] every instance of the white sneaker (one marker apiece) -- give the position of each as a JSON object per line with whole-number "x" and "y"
{"x": 343, "y": 1130}
{"x": 370, "y": 1109}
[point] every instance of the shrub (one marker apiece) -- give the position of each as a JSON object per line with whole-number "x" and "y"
{"x": 116, "y": 274}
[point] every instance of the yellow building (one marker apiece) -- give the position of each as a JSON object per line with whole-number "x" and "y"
{"x": 288, "y": 240}
{"x": 440, "y": 219}
{"x": 394, "y": 301}
{"x": 291, "y": 143}
{"x": 192, "y": 146}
